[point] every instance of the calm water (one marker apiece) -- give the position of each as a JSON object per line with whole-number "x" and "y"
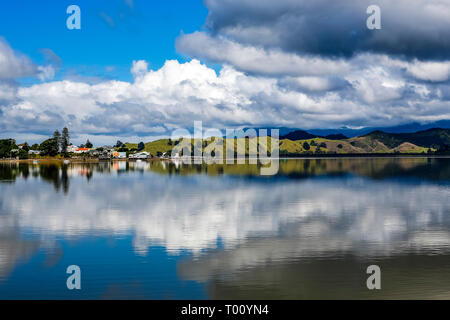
{"x": 172, "y": 231}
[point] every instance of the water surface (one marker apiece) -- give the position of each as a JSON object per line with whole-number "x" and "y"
{"x": 163, "y": 230}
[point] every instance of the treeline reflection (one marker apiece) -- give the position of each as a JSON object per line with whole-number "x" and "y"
{"x": 59, "y": 173}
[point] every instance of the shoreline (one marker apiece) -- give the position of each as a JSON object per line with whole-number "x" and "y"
{"x": 319, "y": 156}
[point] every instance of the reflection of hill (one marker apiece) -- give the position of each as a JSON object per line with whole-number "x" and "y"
{"x": 377, "y": 168}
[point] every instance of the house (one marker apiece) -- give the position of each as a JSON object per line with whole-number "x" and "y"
{"x": 94, "y": 152}
{"x": 72, "y": 148}
{"x": 140, "y": 155}
{"x": 119, "y": 155}
{"x": 35, "y": 152}
{"x": 105, "y": 155}
{"x": 82, "y": 150}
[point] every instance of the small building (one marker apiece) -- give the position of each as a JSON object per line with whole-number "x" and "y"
{"x": 34, "y": 152}
{"x": 119, "y": 155}
{"x": 82, "y": 150}
{"x": 94, "y": 152}
{"x": 72, "y": 148}
{"x": 140, "y": 155}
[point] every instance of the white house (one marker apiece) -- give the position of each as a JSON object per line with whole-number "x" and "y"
{"x": 72, "y": 148}
{"x": 140, "y": 155}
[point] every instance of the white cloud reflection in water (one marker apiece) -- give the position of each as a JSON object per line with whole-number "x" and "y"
{"x": 305, "y": 233}
{"x": 329, "y": 215}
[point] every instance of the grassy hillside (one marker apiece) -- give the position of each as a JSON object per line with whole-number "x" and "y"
{"x": 375, "y": 142}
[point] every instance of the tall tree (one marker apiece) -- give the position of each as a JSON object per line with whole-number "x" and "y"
{"x": 65, "y": 140}
{"x": 57, "y": 138}
{"x": 88, "y": 144}
{"x": 26, "y": 147}
{"x": 141, "y": 146}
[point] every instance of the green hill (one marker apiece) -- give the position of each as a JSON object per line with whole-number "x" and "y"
{"x": 375, "y": 142}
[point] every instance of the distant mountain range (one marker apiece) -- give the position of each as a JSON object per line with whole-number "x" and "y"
{"x": 427, "y": 138}
{"x": 347, "y": 132}
{"x": 405, "y": 128}
{"x": 303, "y": 135}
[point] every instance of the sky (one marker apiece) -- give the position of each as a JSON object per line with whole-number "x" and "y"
{"x": 137, "y": 70}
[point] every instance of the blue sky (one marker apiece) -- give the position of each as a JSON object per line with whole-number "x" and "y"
{"x": 113, "y": 33}
{"x": 137, "y": 70}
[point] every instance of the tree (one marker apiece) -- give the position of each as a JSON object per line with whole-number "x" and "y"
{"x": 6, "y": 146}
{"x": 57, "y": 137}
{"x": 141, "y": 146}
{"x": 323, "y": 145}
{"x": 306, "y": 145}
{"x": 339, "y": 146}
{"x": 49, "y": 147}
{"x": 23, "y": 154}
{"x": 35, "y": 147}
{"x": 88, "y": 144}
{"x": 118, "y": 144}
{"x": 26, "y": 147}
{"x": 65, "y": 140}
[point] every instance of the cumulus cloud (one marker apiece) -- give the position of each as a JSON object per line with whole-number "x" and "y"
{"x": 431, "y": 71}
{"x": 139, "y": 68}
{"x": 177, "y": 94}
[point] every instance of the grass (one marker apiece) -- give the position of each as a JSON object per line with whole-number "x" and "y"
{"x": 365, "y": 144}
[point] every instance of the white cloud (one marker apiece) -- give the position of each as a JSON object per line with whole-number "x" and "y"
{"x": 372, "y": 92}
{"x": 430, "y": 71}
{"x": 12, "y": 64}
{"x": 46, "y": 72}
{"x": 139, "y": 68}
